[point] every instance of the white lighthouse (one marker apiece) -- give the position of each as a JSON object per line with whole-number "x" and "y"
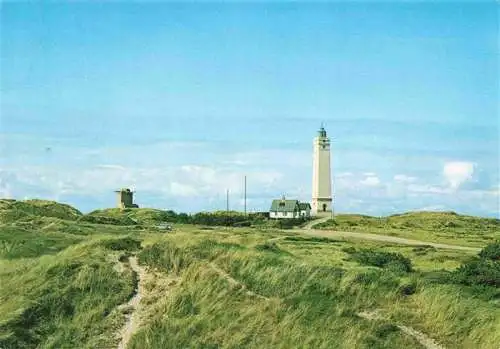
{"x": 322, "y": 181}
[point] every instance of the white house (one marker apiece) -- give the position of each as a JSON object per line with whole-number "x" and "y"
{"x": 282, "y": 208}
{"x": 305, "y": 209}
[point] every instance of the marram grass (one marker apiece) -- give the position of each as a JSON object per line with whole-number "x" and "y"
{"x": 61, "y": 286}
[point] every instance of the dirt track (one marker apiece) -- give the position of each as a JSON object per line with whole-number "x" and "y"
{"x": 132, "y": 319}
{"x": 308, "y": 230}
{"x": 385, "y": 238}
{"x": 422, "y": 338}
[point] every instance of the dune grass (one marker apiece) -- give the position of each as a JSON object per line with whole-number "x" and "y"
{"x": 309, "y": 303}
{"x": 65, "y": 300}
{"x": 441, "y": 227}
{"x": 61, "y": 286}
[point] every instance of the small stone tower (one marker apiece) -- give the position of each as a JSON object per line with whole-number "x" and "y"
{"x": 322, "y": 181}
{"x": 125, "y": 198}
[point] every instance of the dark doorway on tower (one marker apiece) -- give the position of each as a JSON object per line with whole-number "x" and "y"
{"x": 324, "y": 207}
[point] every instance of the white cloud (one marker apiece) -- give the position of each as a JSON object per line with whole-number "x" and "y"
{"x": 428, "y": 189}
{"x": 432, "y": 208}
{"x": 168, "y": 175}
{"x": 495, "y": 191}
{"x": 458, "y": 172}
{"x": 371, "y": 181}
{"x": 111, "y": 167}
{"x": 343, "y": 175}
{"x": 182, "y": 190}
{"x": 401, "y": 178}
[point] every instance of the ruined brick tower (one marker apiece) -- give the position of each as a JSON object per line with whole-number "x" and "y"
{"x": 125, "y": 198}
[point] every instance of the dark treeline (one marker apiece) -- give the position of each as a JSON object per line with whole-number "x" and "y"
{"x": 231, "y": 218}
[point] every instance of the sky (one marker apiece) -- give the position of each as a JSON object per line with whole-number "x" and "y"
{"x": 180, "y": 101}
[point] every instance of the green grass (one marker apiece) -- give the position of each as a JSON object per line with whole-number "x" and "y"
{"x": 128, "y": 216}
{"x": 309, "y": 302}
{"x": 443, "y": 227}
{"x": 66, "y": 300}
{"x": 12, "y": 210}
{"x": 61, "y": 286}
{"x": 19, "y": 243}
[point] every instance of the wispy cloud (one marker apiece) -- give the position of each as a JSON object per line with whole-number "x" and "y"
{"x": 370, "y": 181}
{"x": 401, "y": 178}
{"x": 195, "y": 176}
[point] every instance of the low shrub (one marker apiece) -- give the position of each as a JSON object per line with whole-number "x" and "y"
{"x": 242, "y": 224}
{"x": 491, "y": 251}
{"x": 287, "y": 223}
{"x": 407, "y": 289}
{"x": 312, "y": 239}
{"x": 349, "y": 250}
{"x": 478, "y": 271}
{"x": 95, "y": 219}
{"x": 127, "y": 244}
{"x": 385, "y": 330}
{"x": 268, "y": 247}
{"x": 423, "y": 250}
{"x": 394, "y": 261}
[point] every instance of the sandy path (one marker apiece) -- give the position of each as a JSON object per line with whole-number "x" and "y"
{"x": 50, "y": 225}
{"x": 384, "y": 238}
{"x": 309, "y": 230}
{"x": 423, "y": 339}
{"x": 132, "y": 317}
{"x": 313, "y": 222}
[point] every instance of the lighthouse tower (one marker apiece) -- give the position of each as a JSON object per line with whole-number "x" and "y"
{"x": 322, "y": 181}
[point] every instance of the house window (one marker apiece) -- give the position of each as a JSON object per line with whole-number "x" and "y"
{"x": 285, "y": 214}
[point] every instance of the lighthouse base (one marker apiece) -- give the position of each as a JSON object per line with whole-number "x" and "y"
{"x": 322, "y": 207}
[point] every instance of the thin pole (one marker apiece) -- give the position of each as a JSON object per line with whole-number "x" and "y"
{"x": 245, "y": 195}
{"x": 227, "y": 207}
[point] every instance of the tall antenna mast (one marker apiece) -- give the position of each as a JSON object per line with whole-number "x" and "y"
{"x": 245, "y": 200}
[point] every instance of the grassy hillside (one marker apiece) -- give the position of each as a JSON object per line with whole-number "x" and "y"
{"x": 153, "y": 217}
{"x": 13, "y": 210}
{"x": 445, "y": 227}
{"x": 64, "y": 284}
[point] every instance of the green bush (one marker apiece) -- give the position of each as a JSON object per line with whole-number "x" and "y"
{"x": 385, "y": 330}
{"x": 407, "y": 289}
{"x": 393, "y": 261}
{"x": 287, "y": 223}
{"x": 349, "y": 250}
{"x": 242, "y": 224}
{"x": 483, "y": 270}
{"x": 268, "y": 247}
{"x": 423, "y": 250}
{"x": 220, "y": 218}
{"x": 123, "y": 220}
{"x": 127, "y": 244}
{"x": 491, "y": 251}
{"x": 478, "y": 272}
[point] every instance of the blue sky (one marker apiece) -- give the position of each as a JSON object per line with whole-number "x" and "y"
{"x": 180, "y": 101}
